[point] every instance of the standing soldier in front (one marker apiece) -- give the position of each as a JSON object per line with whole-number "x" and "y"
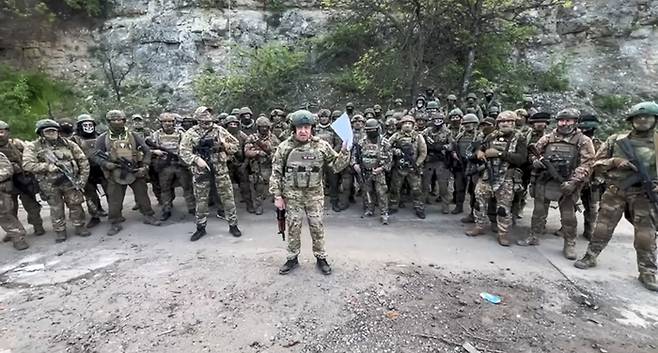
{"x": 25, "y": 183}
{"x": 206, "y": 148}
{"x": 439, "y": 142}
{"x": 8, "y": 221}
{"x": 62, "y": 170}
{"x": 85, "y": 136}
{"x": 371, "y": 160}
{"x": 502, "y": 151}
{"x": 296, "y": 183}
{"x": 620, "y": 159}
{"x": 409, "y": 151}
{"x": 565, "y": 157}
{"x": 259, "y": 149}
{"x": 125, "y": 158}
{"x": 168, "y": 166}
{"x": 462, "y": 148}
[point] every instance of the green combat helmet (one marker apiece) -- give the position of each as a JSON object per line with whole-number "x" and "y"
{"x": 470, "y": 118}
{"x": 263, "y": 121}
{"x": 231, "y": 119}
{"x": 433, "y": 105}
{"x": 85, "y": 117}
{"x": 4, "y": 125}
{"x": 644, "y": 108}
{"x": 246, "y": 110}
{"x": 451, "y": 97}
{"x": 372, "y": 124}
{"x": 588, "y": 121}
{"x": 456, "y": 112}
{"x": 408, "y": 118}
{"x": 336, "y": 114}
{"x": 369, "y": 113}
{"x": 569, "y": 113}
{"x": 302, "y": 117}
{"x": 45, "y": 124}
{"x": 471, "y": 96}
{"x": 324, "y": 113}
{"x": 235, "y": 111}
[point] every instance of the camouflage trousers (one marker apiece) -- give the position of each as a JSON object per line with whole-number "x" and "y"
{"x": 117, "y": 192}
{"x": 504, "y": 195}
{"x": 443, "y": 174}
{"x": 168, "y": 176}
{"x": 224, "y": 187}
{"x": 398, "y": 178}
{"x": 92, "y": 199}
{"x": 8, "y": 221}
{"x": 313, "y": 209}
{"x": 347, "y": 185}
{"x": 375, "y": 186}
{"x": 568, "y": 221}
{"x": 239, "y": 175}
{"x": 57, "y": 197}
{"x": 614, "y": 202}
{"x": 31, "y": 206}
{"x": 590, "y": 198}
{"x": 260, "y": 184}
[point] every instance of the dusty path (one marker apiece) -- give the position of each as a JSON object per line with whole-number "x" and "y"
{"x": 410, "y": 287}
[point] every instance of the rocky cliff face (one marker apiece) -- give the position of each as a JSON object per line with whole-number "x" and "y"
{"x": 609, "y": 46}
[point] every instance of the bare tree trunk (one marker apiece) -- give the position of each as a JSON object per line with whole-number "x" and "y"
{"x": 468, "y": 70}
{"x": 469, "y": 63}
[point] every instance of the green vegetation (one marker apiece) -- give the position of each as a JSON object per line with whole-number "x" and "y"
{"x": 612, "y": 103}
{"x": 264, "y": 78}
{"x": 26, "y": 97}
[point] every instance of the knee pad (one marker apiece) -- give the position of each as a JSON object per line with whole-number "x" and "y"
{"x": 501, "y": 211}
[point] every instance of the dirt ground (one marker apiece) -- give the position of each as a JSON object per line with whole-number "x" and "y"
{"x": 412, "y": 286}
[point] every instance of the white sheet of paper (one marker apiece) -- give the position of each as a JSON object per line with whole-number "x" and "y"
{"x": 343, "y": 129}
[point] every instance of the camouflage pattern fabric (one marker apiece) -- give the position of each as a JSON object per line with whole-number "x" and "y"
{"x": 8, "y": 221}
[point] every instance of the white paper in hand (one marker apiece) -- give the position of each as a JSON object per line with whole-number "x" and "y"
{"x": 343, "y": 129}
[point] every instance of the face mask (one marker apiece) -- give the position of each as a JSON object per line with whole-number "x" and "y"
{"x": 566, "y": 129}
{"x": 66, "y": 129}
{"x": 372, "y": 134}
{"x": 349, "y": 110}
{"x": 233, "y": 128}
{"x": 187, "y": 124}
{"x": 88, "y": 128}
{"x": 117, "y": 125}
{"x": 438, "y": 123}
{"x": 138, "y": 125}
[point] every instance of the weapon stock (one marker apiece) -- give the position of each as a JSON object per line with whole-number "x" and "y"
{"x": 64, "y": 169}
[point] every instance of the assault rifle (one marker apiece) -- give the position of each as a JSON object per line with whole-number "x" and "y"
{"x": 125, "y": 165}
{"x": 169, "y": 157}
{"x": 642, "y": 176}
{"x": 360, "y": 177}
{"x": 205, "y": 148}
{"x": 550, "y": 168}
{"x": 68, "y": 173}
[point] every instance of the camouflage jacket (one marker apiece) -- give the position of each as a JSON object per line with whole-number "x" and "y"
{"x": 66, "y": 151}
{"x": 438, "y": 142}
{"x": 256, "y": 144}
{"x": 280, "y": 179}
{"x": 373, "y": 155}
{"x": 607, "y": 157}
{"x": 13, "y": 150}
{"x": 6, "y": 173}
{"x": 420, "y": 147}
{"x": 585, "y": 147}
{"x": 225, "y": 145}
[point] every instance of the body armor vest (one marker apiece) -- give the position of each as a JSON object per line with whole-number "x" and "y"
{"x": 563, "y": 156}
{"x": 168, "y": 141}
{"x": 407, "y": 143}
{"x": 370, "y": 154}
{"x": 464, "y": 142}
{"x": 436, "y": 139}
{"x": 499, "y": 166}
{"x": 12, "y": 152}
{"x": 304, "y": 167}
{"x": 123, "y": 146}
{"x": 87, "y": 145}
{"x": 644, "y": 150}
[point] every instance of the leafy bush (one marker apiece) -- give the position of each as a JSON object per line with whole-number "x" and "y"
{"x": 612, "y": 103}
{"x": 26, "y": 97}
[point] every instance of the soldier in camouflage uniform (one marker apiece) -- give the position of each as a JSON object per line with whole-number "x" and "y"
{"x": 592, "y": 191}
{"x": 139, "y": 128}
{"x": 493, "y": 112}
{"x": 188, "y": 122}
{"x": 451, "y": 104}
{"x": 409, "y": 153}
{"x": 120, "y": 144}
{"x": 371, "y": 160}
{"x": 398, "y": 106}
{"x": 168, "y": 165}
{"x": 462, "y": 149}
{"x": 280, "y": 127}
{"x": 502, "y": 151}
{"x": 237, "y": 163}
{"x": 519, "y": 202}
{"x": 379, "y": 114}
{"x": 65, "y": 127}
{"x": 490, "y": 103}
{"x": 624, "y": 192}
{"x": 247, "y": 123}
{"x": 439, "y": 142}
{"x": 529, "y": 106}
{"x": 259, "y": 149}
{"x": 8, "y": 221}
{"x": 419, "y": 109}
{"x": 472, "y": 106}
{"x": 455, "y": 119}
{"x": 347, "y": 174}
{"x": 85, "y": 136}
{"x": 46, "y": 157}
{"x": 25, "y": 184}
{"x": 538, "y": 123}
{"x": 349, "y": 109}
{"x": 390, "y": 127}
{"x": 570, "y": 154}
{"x": 296, "y": 183}
{"x": 324, "y": 132}
{"x": 206, "y": 148}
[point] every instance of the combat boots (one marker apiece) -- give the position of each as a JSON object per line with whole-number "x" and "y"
{"x": 586, "y": 262}
{"x": 420, "y": 213}
{"x": 458, "y": 209}
{"x": 93, "y": 221}
{"x": 503, "y": 239}
{"x": 325, "y": 268}
{"x": 445, "y": 208}
{"x": 259, "y": 210}
{"x": 166, "y": 214}
{"x": 200, "y": 232}
{"x": 569, "y": 249}
{"x": 38, "y": 230}
{"x": 20, "y": 243}
{"x": 335, "y": 206}
{"x": 468, "y": 219}
{"x": 151, "y": 221}
{"x": 367, "y": 213}
{"x": 115, "y": 228}
{"x": 477, "y": 230}
{"x": 290, "y": 265}
{"x": 60, "y": 236}
{"x": 530, "y": 240}
{"x": 648, "y": 280}
{"x": 235, "y": 231}
{"x": 82, "y": 231}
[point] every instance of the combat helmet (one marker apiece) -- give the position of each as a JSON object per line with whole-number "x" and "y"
{"x": 246, "y": 110}
{"x": 369, "y": 111}
{"x": 85, "y": 117}
{"x": 358, "y": 117}
{"x": 451, "y": 97}
{"x": 470, "y": 118}
{"x": 45, "y": 124}
{"x": 372, "y": 124}
{"x": 408, "y": 118}
{"x": 540, "y": 117}
{"x": 472, "y": 95}
{"x": 432, "y": 105}
{"x": 230, "y": 119}
{"x": 4, "y": 125}
{"x": 302, "y": 117}
{"x": 456, "y": 112}
{"x": 263, "y": 121}
{"x": 644, "y": 108}
{"x": 336, "y": 114}
{"x": 203, "y": 113}
{"x": 507, "y": 115}
{"x": 569, "y": 113}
